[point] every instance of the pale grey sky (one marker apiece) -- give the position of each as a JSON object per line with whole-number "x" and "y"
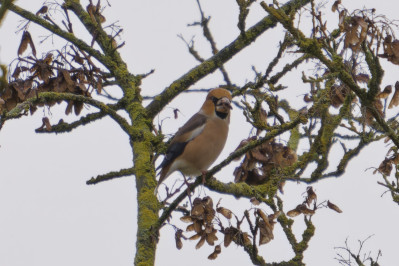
{"x": 49, "y": 216}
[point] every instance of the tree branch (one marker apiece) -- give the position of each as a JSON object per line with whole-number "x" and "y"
{"x": 45, "y": 97}
{"x": 63, "y": 127}
{"x": 110, "y": 175}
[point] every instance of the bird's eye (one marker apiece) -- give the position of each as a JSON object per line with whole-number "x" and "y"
{"x": 214, "y": 99}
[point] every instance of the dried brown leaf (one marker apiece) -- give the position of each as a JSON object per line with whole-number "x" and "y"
{"x": 42, "y": 10}
{"x": 351, "y": 37}
{"x": 178, "y": 236}
{"x": 207, "y": 202}
{"x": 198, "y": 226}
{"x": 201, "y": 242}
{"x": 305, "y": 210}
{"x": 262, "y": 215}
{"x": 337, "y": 95}
{"x": 335, "y": 5}
{"x": 333, "y": 207}
{"x": 47, "y": 124}
{"x": 385, "y": 167}
{"x": 218, "y": 249}
{"x": 186, "y": 219}
{"x": 18, "y": 71}
{"x": 229, "y": 234}
{"x": 307, "y": 98}
{"x": 225, "y": 212}
{"x": 212, "y": 256}
{"x": 67, "y": 77}
{"x": 341, "y": 20}
{"x": 179, "y": 243}
{"x": 395, "y": 98}
{"x": 257, "y": 155}
{"x": 395, "y": 158}
{"x": 195, "y": 237}
{"x": 254, "y": 201}
{"x": 274, "y": 215}
{"x": 385, "y": 93}
{"x": 78, "y": 106}
{"x": 311, "y": 195}
{"x": 68, "y": 110}
{"x": 211, "y": 238}
{"x": 362, "y": 78}
{"x": 281, "y": 186}
{"x": 209, "y": 215}
{"x": 190, "y": 227}
{"x": 215, "y": 252}
{"x": 25, "y": 41}
{"x": 246, "y": 239}
{"x": 301, "y": 208}
{"x": 99, "y": 86}
{"x": 265, "y": 232}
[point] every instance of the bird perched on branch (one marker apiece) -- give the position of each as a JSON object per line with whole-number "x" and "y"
{"x": 198, "y": 143}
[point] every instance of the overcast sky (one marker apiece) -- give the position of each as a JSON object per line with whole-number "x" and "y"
{"x": 49, "y": 216}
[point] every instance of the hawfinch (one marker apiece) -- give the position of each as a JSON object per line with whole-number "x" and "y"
{"x": 198, "y": 143}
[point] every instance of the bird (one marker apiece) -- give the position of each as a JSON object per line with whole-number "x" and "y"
{"x": 199, "y": 142}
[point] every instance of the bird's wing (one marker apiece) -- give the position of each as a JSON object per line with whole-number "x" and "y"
{"x": 191, "y": 129}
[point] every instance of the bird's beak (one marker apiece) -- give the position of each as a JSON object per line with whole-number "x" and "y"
{"x": 224, "y": 103}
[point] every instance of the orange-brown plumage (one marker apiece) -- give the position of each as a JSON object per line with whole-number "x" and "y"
{"x": 198, "y": 143}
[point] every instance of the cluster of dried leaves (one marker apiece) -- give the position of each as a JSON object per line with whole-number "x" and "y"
{"x": 386, "y": 165}
{"x": 69, "y": 71}
{"x": 391, "y": 50}
{"x": 378, "y": 105}
{"x": 260, "y": 161}
{"x": 201, "y": 222}
{"x": 359, "y": 25}
{"x": 203, "y": 218}
{"x": 311, "y": 199}
{"x": 33, "y": 75}
{"x": 338, "y": 91}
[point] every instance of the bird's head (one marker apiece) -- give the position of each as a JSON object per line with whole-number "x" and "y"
{"x": 218, "y": 101}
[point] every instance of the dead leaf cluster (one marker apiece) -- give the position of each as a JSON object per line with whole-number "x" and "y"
{"x": 386, "y": 165}
{"x": 260, "y": 161}
{"x": 95, "y": 13}
{"x": 356, "y": 29}
{"x": 201, "y": 218}
{"x": 32, "y": 76}
{"x": 266, "y": 226}
{"x": 364, "y": 26}
{"x": 311, "y": 199}
{"x": 378, "y": 106}
{"x": 235, "y": 234}
{"x": 338, "y": 94}
{"x": 391, "y": 50}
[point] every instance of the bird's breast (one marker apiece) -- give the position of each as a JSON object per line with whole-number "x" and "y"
{"x": 201, "y": 152}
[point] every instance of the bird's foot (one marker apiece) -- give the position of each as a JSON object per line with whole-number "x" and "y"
{"x": 188, "y": 186}
{"x": 203, "y": 176}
